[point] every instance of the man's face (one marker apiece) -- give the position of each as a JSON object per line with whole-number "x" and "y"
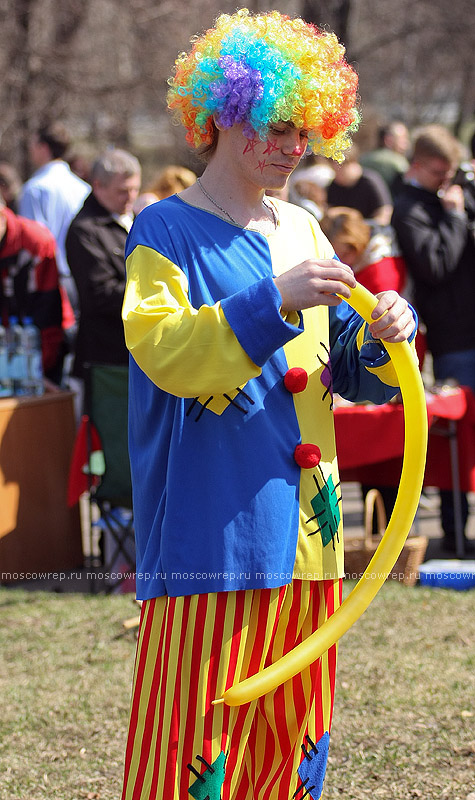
{"x": 267, "y": 165}
{"x": 433, "y": 173}
{"x": 398, "y": 139}
{"x": 39, "y": 152}
{"x": 119, "y": 194}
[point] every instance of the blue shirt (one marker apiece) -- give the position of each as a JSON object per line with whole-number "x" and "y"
{"x": 224, "y": 498}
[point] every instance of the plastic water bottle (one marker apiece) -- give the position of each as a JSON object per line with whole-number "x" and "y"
{"x": 6, "y": 383}
{"x": 17, "y": 357}
{"x": 34, "y": 360}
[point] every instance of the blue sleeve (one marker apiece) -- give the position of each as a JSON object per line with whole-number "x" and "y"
{"x": 351, "y": 363}
{"x": 259, "y": 304}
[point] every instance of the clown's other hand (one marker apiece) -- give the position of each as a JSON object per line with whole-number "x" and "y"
{"x": 394, "y": 320}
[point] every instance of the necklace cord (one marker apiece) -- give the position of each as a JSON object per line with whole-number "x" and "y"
{"x": 266, "y": 205}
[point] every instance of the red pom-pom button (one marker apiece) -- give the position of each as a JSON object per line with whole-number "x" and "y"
{"x": 295, "y": 380}
{"x": 307, "y": 456}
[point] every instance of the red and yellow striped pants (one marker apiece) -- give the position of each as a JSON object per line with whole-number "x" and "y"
{"x": 191, "y": 649}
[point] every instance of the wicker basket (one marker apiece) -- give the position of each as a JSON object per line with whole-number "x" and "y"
{"x": 359, "y": 551}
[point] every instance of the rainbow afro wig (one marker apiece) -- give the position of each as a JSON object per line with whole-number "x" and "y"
{"x": 262, "y": 69}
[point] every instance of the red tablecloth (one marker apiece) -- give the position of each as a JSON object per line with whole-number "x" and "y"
{"x": 370, "y": 441}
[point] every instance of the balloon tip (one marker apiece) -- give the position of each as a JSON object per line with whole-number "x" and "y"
{"x": 218, "y": 701}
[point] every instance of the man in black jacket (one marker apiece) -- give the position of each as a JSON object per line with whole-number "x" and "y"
{"x": 436, "y": 239}
{"x": 95, "y": 250}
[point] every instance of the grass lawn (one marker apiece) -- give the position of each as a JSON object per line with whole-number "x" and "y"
{"x": 404, "y": 724}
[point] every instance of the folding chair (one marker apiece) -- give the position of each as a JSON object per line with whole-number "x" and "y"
{"x": 106, "y": 407}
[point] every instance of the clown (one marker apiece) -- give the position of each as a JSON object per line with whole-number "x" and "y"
{"x": 238, "y": 340}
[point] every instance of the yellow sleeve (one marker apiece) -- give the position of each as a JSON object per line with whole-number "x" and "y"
{"x": 185, "y": 351}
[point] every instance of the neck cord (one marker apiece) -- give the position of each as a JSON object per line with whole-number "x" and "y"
{"x": 266, "y": 205}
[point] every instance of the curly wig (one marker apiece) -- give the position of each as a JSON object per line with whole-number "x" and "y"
{"x": 262, "y": 69}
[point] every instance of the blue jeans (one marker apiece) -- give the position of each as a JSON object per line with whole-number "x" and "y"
{"x": 461, "y": 366}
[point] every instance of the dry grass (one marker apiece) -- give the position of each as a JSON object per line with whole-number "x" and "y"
{"x": 65, "y": 690}
{"x": 404, "y": 717}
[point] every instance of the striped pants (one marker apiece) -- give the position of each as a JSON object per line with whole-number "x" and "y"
{"x": 191, "y": 649}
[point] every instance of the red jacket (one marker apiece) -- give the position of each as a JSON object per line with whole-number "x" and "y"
{"x": 29, "y": 285}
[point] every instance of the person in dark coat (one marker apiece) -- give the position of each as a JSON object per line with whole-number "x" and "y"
{"x": 436, "y": 239}
{"x": 95, "y": 246}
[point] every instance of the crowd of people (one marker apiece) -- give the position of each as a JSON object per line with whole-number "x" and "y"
{"x": 62, "y": 244}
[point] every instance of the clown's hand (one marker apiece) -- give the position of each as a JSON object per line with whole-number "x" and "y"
{"x": 315, "y": 283}
{"x": 394, "y": 320}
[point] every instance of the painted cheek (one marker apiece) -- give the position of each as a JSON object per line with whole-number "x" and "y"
{"x": 250, "y": 146}
{"x": 271, "y": 146}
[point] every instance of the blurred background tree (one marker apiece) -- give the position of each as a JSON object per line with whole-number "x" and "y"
{"x": 102, "y": 66}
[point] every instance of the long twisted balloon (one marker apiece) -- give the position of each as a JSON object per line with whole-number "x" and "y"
{"x": 382, "y": 563}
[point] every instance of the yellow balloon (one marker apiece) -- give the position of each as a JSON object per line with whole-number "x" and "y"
{"x": 405, "y": 507}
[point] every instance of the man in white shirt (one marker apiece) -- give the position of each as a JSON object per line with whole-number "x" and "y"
{"x": 54, "y": 194}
